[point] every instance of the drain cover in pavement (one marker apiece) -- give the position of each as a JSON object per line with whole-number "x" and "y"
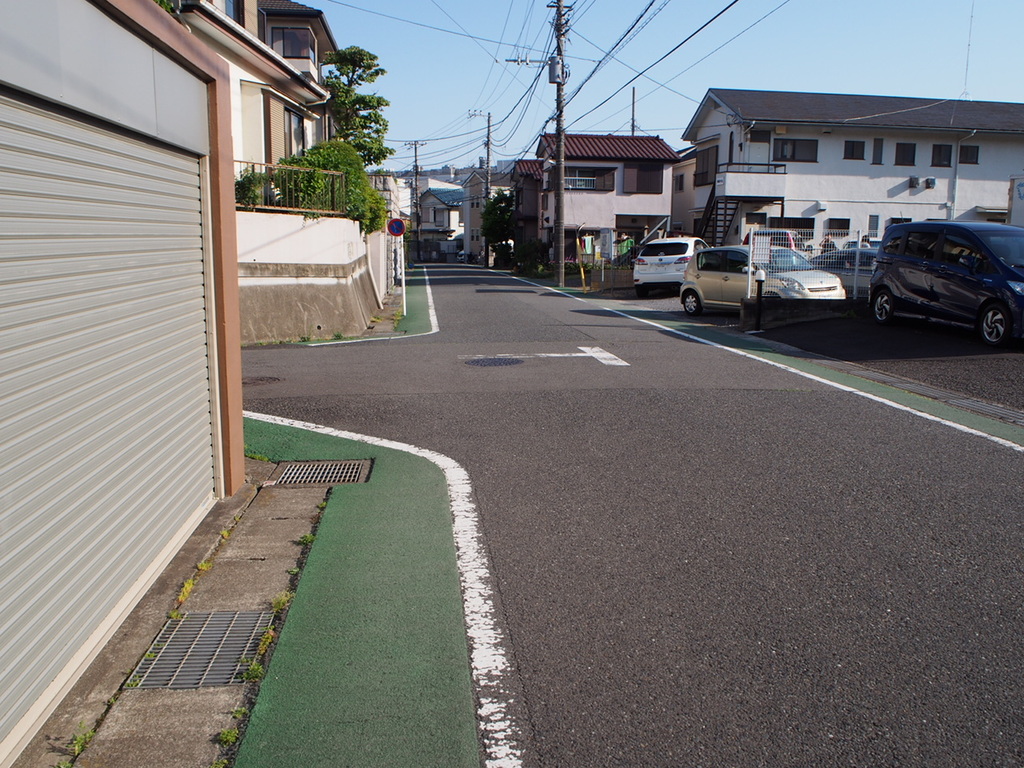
{"x": 492, "y": 362}
{"x": 321, "y": 472}
{"x": 202, "y": 649}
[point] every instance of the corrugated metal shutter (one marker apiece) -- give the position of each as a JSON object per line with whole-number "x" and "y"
{"x": 105, "y": 395}
{"x": 277, "y": 145}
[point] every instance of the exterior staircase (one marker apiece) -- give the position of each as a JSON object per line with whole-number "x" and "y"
{"x": 718, "y": 217}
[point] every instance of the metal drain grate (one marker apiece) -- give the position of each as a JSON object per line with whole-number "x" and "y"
{"x": 202, "y": 649}
{"x": 321, "y": 472}
{"x": 492, "y": 362}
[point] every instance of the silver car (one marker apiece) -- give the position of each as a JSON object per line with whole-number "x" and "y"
{"x": 717, "y": 278}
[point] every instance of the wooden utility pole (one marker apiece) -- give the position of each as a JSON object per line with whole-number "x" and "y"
{"x": 416, "y": 193}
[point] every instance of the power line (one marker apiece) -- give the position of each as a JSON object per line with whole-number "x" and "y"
{"x": 656, "y": 63}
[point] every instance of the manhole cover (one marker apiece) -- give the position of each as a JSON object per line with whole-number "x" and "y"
{"x": 202, "y": 649}
{"x": 493, "y": 362}
{"x": 321, "y": 472}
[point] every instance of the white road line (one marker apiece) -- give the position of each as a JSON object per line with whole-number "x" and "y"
{"x": 500, "y": 732}
{"x": 836, "y": 385}
{"x": 606, "y": 358}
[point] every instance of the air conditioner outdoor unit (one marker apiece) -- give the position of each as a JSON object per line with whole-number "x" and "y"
{"x": 915, "y": 182}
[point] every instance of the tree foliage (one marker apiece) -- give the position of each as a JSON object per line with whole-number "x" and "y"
{"x": 363, "y": 203}
{"x": 498, "y": 218}
{"x": 357, "y": 115}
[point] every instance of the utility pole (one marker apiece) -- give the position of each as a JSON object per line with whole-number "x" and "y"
{"x": 487, "y": 185}
{"x": 487, "y": 190}
{"x": 632, "y": 121}
{"x": 556, "y": 75}
{"x": 416, "y": 192}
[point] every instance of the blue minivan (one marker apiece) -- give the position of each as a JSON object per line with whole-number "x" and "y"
{"x": 971, "y": 273}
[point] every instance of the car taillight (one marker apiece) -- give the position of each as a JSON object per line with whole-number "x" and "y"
{"x": 640, "y": 260}
{"x": 682, "y": 260}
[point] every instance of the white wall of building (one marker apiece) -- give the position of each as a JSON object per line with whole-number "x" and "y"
{"x": 263, "y": 238}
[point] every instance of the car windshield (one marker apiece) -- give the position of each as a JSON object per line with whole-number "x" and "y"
{"x": 787, "y": 260}
{"x": 666, "y": 249}
{"x": 1007, "y": 246}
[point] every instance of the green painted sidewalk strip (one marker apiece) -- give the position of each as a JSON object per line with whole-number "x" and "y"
{"x": 372, "y": 667}
{"x": 417, "y": 311}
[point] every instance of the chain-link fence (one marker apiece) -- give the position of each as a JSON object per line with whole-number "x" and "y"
{"x": 848, "y": 254}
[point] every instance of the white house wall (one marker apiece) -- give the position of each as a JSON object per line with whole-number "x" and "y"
{"x": 594, "y": 210}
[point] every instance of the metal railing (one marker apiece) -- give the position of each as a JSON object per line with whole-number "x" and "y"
{"x": 289, "y": 189}
{"x": 751, "y": 168}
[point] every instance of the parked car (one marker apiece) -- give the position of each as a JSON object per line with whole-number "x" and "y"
{"x": 717, "y": 278}
{"x": 661, "y": 263}
{"x": 782, "y": 238}
{"x": 970, "y": 273}
{"x": 853, "y": 266}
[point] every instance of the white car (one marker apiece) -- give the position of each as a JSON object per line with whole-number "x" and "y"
{"x": 662, "y": 263}
{"x": 717, "y": 278}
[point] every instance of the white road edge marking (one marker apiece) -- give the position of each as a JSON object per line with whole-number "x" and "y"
{"x": 836, "y": 385}
{"x": 431, "y": 312}
{"x": 501, "y": 734}
{"x": 606, "y": 358}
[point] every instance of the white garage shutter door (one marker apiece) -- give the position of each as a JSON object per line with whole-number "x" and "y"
{"x": 105, "y": 396}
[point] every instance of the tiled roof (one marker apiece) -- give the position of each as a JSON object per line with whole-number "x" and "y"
{"x": 534, "y": 168}
{"x": 591, "y": 147}
{"x": 287, "y": 7}
{"x": 872, "y": 111}
{"x": 450, "y": 197}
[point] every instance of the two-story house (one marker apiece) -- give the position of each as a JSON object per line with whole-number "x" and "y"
{"x": 477, "y": 189}
{"x": 526, "y": 181}
{"x": 822, "y": 163}
{"x": 440, "y": 224}
{"x": 617, "y": 184}
{"x": 273, "y": 48}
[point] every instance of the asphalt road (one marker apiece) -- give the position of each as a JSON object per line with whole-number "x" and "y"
{"x": 702, "y": 560}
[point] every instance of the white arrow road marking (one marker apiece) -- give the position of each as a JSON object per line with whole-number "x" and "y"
{"x": 607, "y": 358}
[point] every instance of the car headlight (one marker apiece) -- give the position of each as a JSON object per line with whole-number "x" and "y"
{"x": 1018, "y": 288}
{"x": 790, "y": 283}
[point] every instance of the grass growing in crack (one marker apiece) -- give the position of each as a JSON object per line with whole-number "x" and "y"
{"x": 81, "y": 740}
{"x": 204, "y": 566}
{"x": 227, "y": 737}
{"x": 253, "y": 672}
{"x": 281, "y": 600}
{"x": 265, "y": 641}
{"x": 186, "y": 590}
{"x": 306, "y": 539}
{"x": 240, "y": 713}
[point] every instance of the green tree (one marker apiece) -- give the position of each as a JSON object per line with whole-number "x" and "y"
{"x": 363, "y": 203}
{"x": 357, "y": 115}
{"x": 498, "y": 218}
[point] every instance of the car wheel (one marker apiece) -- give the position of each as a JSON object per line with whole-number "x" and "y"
{"x": 882, "y": 307}
{"x": 995, "y": 324}
{"x": 642, "y": 291}
{"x": 691, "y": 303}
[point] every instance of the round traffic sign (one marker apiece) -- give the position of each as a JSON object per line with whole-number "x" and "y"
{"x": 396, "y": 227}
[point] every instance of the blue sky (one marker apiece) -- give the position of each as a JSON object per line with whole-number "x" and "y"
{"x": 440, "y": 79}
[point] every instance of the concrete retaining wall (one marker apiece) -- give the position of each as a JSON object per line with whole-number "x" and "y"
{"x": 302, "y": 278}
{"x": 776, "y": 312}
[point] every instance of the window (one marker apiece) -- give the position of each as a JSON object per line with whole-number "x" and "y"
{"x": 796, "y": 150}
{"x": 756, "y": 219}
{"x": 873, "y": 221}
{"x": 853, "y": 150}
{"x": 956, "y": 250}
{"x": 643, "y": 178}
{"x": 736, "y": 262}
{"x": 760, "y": 137}
{"x": 877, "y": 148}
{"x": 710, "y": 261}
{"x": 599, "y": 179}
{"x": 440, "y": 216}
{"x": 968, "y": 154}
{"x": 235, "y": 10}
{"x": 837, "y": 226}
{"x": 295, "y": 133}
{"x": 942, "y": 155}
{"x": 707, "y": 167}
{"x": 293, "y": 43}
{"x": 680, "y": 182}
{"x": 921, "y": 245}
{"x": 906, "y": 154}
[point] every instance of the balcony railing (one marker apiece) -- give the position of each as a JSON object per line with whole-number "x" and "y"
{"x": 751, "y": 168}
{"x": 287, "y": 189}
